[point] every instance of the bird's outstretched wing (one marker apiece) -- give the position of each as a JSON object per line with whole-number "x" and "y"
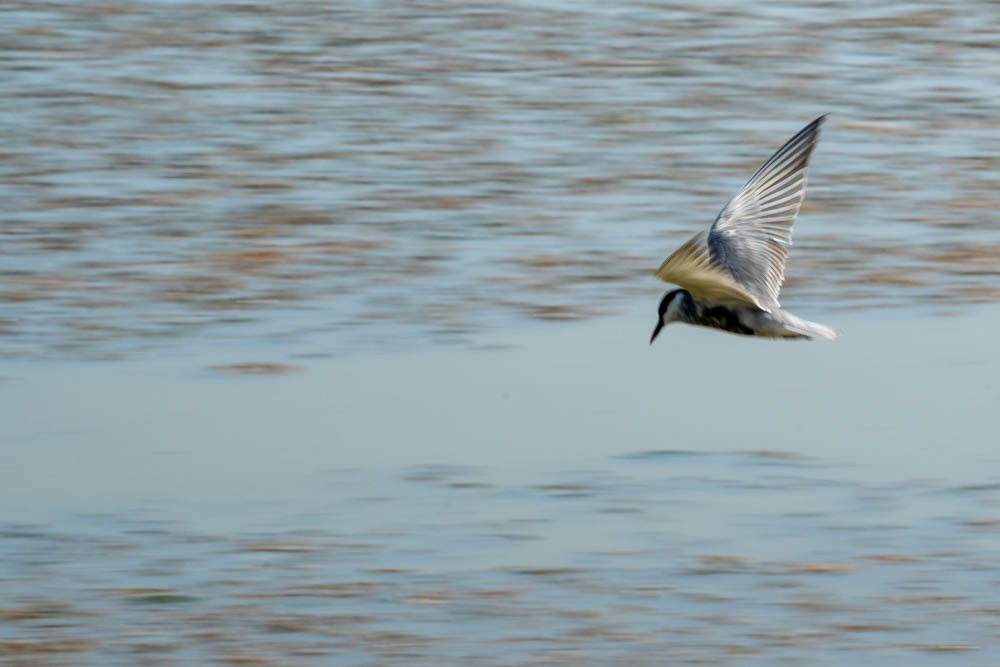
{"x": 741, "y": 259}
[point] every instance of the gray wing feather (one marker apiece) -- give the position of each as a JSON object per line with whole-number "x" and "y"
{"x": 751, "y": 235}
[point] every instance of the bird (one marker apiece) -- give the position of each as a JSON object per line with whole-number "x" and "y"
{"x": 730, "y": 274}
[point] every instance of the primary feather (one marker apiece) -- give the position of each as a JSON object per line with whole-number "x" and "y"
{"x": 741, "y": 258}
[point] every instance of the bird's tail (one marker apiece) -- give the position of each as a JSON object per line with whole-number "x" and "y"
{"x": 817, "y": 330}
{"x": 811, "y": 329}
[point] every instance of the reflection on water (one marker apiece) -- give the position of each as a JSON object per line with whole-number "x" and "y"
{"x": 314, "y": 169}
{"x": 576, "y": 498}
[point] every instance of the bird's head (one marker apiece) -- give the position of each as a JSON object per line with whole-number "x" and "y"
{"x": 668, "y": 311}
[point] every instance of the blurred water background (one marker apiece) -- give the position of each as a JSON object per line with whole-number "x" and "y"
{"x": 323, "y": 335}
{"x": 360, "y": 171}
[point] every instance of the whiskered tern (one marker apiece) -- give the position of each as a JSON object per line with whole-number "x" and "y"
{"x": 731, "y": 274}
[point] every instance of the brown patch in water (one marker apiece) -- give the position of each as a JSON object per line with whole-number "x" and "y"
{"x": 21, "y": 647}
{"x": 822, "y": 568}
{"x": 865, "y": 627}
{"x": 544, "y": 260}
{"x": 431, "y": 597}
{"x": 977, "y": 293}
{"x": 891, "y": 558}
{"x": 946, "y": 648}
{"x": 339, "y": 247}
{"x": 36, "y": 611}
{"x": 251, "y": 256}
{"x": 979, "y": 259}
{"x": 498, "y": 593}
{"x": 558, "y": 312}
{"x": 899, "y": 277}
{"x": 255, "y": 233}
{"x": 723, "y": 559}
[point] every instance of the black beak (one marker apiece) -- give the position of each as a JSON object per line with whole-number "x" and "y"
{"x": 656, "y": 331}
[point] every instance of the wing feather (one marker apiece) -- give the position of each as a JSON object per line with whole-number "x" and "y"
{"x": 741, "y": 258}
{"x": 692, "y": 267}
{"x": 750, "y": 238}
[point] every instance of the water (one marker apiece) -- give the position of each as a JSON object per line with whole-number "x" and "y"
{"x": 324, "y": 329}
{"x": 310, "y": 172}
{"x": 576, "y": 497}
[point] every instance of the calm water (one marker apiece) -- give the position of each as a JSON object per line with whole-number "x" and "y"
{"x": 577, "y": 498}
{"x": 323, "y": 336}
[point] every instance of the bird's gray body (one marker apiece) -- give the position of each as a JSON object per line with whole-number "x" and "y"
{"x": 731, "y": 274}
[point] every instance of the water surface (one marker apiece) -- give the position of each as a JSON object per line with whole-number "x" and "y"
{"x": 572, "y": 496}
{"x": 310, "y": 172}
{"x": 376, "y": 281}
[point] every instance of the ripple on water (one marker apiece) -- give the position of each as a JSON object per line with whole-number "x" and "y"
{"x": 179, "y": 170}
{"x": 465, "y": 587}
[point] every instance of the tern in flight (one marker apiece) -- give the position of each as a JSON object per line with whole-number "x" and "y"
{"x": 730, "y": 275}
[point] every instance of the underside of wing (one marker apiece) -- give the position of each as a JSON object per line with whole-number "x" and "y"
{"x": 691, "y": 266}
{"x": 749, "y": 239}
